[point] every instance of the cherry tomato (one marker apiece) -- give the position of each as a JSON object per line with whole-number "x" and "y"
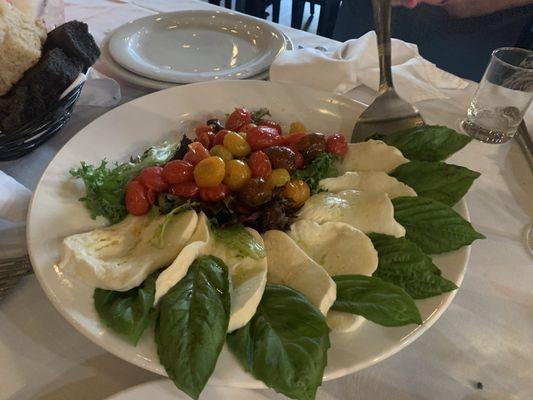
{"x": 259, "y": 164}
{"x": 220, "y": 151}
{"x": 237, "y": 173}
{"x": 236, "y": 144}
{"x": 238, "y": 118}
{"x": 255, "y": 192}
{"x": 209, "y": 172}
{"x": 293, "y": 138}
{"x": 219, "y": 137}
{"x": 262, "y": 136}
{"x": 297, "y": 192}
{"x": 281, "y": 157}
{"x": 151, "y": 196}
{"x": 272, "y": 124}
{"x": 152, "y": 178}
{"x": 185, "y": 189}
{"x": 197, "y": 152}
{"x": 207, "y": 138}
{"x": 279, "y": 177}
{"x": 136, "y": 198}
{"x": 296, "y": 127}
{"x": 202, "y": 128}
{"x": 337, "y": 144}
{"x": 215, "y": 193}
{"x": 312, "y": 145}
{"x": 247, "y": 127}
{"x": 299, "y": 159}
{"x": 177, "y": 171}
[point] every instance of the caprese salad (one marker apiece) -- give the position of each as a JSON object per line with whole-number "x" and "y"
{"x": 268, "y": 241}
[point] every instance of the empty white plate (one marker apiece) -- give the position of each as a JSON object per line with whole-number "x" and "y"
{"x": 194, "y": 46}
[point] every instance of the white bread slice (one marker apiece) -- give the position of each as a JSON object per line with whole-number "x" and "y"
{"x": 21, "y": 39}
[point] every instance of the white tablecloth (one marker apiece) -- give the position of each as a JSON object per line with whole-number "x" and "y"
{"x": 485, "y": 336}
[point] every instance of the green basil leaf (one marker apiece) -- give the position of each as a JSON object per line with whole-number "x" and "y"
{"x": 433, "y": 226}
{"x": 427, "y": 142}
{"x": 239, "y": 239}
{"x": 322, "y": 166}
{"x": 127, "y": 313}
{"x": 285, "y": 344}
{"x": 446, "y": 183}
{"x": 402, "y": 263}
{"x": 192, "y": 324}
{"x": 376, "y": 300}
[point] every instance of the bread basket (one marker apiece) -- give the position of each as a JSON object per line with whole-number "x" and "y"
{"x": 25, "y": 138}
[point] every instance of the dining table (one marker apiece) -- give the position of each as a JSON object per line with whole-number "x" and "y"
{"x": 481, "y": 347}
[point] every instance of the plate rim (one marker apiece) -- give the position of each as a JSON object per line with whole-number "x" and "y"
{"x": 253, "y": 383}
{"x": 178, "y": 77}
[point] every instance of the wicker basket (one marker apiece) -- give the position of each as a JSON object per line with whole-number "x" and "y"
{"x": 27, "y": 137}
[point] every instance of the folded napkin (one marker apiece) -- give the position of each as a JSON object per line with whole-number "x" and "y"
{"x": 14, "y": 199}
{"x": 355, "y": 63}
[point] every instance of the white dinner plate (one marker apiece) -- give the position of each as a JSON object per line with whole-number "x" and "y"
{"x": 165, "y": 390}
{"x": 195, "y": 46}
{"x": 111, "y": 67}
{"x": 55, "y": 212}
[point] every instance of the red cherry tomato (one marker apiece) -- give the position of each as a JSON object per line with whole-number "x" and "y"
{"x": 136, "y": 198}
{"x": 262, "y": 136}
{"x": 237, "y": 119}
{"x": 202, "y": 128}
{"x": 178, "y": 171}
{"x": 219, "y": 137}
{"x": 248, "y": 127}
{"x": 207, "y": 138}
{"x": 152, "y": 178}
{"x": 185, "y": 189}
{"x": 292, "y": 139}
{"x": 336, "y": 144}
{"x": 299, "y": 158}
{"x": 272, "y": 124}
{"x": 214, "y": 193}
{"x": 151, "y": 196}
{"x": 259, "y": 164}
{"x": 197, "y": 152}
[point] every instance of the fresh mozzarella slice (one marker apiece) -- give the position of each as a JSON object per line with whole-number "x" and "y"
{"x": 248, "y": 275}
{"x": 368, "y": 212}
{"x": 121, "y": 256}
{"x": 289, "y": 265}
{"x": 343, "y": 322}
{"x": 367, "y": 181}
{"x": 341, "y": 250}
{"x": 338, "y": 247}
{"x": 372, "y": 155}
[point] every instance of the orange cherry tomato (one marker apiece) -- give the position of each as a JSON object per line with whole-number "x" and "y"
{"x": 152, "y": 178}
{"x": 207, "y": 138}
{"x": 177, "y": 171}
{"x": 136, "y": 198}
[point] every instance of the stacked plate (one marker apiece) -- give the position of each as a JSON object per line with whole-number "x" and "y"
{"x": 169, "y": 49}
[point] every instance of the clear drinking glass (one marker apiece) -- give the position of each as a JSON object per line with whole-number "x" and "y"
{"x": 503, "y": 96}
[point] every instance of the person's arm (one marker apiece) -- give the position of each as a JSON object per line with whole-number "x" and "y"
{"x": 467, "y": 8}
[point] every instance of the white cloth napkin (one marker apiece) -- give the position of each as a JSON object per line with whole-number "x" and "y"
{"x": 14, "y": 199}
{"x": 355, "y": 63}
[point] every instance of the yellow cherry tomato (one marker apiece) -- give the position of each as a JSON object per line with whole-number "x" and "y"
{"x": 209, "y": 172}
{"x": 237, "y": 174}
{"x": 220, "y": 151}
{"x": 297, "y": 127}
{"x": 236, "y": 144}
{"x": 297, "y": 192}
{"x": 279, "y": 177}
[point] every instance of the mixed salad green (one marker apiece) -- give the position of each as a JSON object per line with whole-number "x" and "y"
{"x": 285, "y": 344}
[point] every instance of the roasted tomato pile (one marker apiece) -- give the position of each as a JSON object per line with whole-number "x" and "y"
{"x": 248, "y": 163}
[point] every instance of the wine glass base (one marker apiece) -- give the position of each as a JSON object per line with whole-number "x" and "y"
{"x": 484, "y": 135}
{"x": 529, "y": 238}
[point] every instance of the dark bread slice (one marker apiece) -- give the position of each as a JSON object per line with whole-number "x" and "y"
{"x": 40, "y": 88}
{"x": 75, "y": 40}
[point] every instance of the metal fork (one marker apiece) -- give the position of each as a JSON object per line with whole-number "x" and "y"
{"x": 388, "y": 112}
{"x": 11, "y": 271}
